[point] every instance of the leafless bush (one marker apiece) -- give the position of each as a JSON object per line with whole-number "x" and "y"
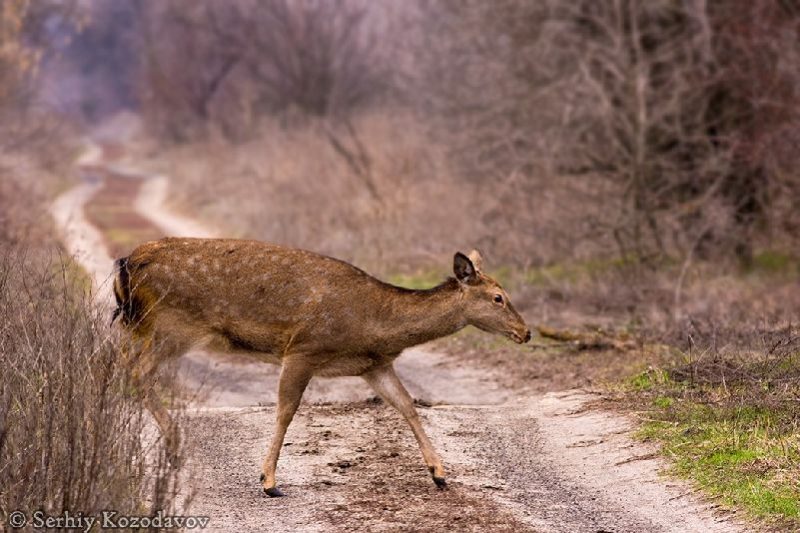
{"x": 643, "y": 68}
{"x": 70, "y": 428}
{"x": 757, "y": 115}
{"x": 764, "y": 355}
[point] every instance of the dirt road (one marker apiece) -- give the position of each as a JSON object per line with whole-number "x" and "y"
{"x": 516, "y": 462}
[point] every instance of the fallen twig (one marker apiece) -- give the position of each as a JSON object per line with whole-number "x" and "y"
{"x": 586, "y": 341}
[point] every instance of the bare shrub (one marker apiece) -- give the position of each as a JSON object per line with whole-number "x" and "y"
{"x": 378, "y": 188}
{"x": 70, "y": 427}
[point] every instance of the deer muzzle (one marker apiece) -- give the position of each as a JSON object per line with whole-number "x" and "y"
{"x": 520, "y": 338}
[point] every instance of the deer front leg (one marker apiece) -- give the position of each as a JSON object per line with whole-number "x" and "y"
{"x": 295, "y": 375}
{"x": 385, "y": 382}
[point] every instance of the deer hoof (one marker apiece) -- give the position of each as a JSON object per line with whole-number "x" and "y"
{"x": 272, "y": 492}
{"x": 439, "y": 480}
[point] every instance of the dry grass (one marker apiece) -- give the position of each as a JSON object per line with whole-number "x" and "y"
{"x": 70, "y": 426}
{"x": 369, "y": 197}
{"x": 20, "y": 220}
{"x": 382, "y": 195}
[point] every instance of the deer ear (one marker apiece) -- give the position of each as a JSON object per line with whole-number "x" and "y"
{"x": 477, "y": 260}
{"x": 464, "y": 269}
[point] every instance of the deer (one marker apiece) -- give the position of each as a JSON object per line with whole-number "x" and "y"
{"x": 309, "y": 313}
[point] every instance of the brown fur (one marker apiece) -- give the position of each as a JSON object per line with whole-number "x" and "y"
{"x": 312, "y": 314}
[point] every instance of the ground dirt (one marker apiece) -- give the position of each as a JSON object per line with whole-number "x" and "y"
{"x": 517, "y": 460}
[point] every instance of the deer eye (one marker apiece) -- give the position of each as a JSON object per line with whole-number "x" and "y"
{"x": 498, "y": 298}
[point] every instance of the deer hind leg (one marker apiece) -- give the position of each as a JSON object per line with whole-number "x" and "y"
{"x": 145, "y": 361}
{"x": 295, "y": 375}
{"x": 385, "y": 382}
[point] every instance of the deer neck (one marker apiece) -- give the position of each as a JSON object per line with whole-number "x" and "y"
{"x": 424, "y": 315}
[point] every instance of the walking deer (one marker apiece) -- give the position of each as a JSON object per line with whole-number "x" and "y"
{"x": 311, "y": 314}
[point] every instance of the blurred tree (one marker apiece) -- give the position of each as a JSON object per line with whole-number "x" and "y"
{"x": 645, "y": 74}
{"x": 227, "y": 63}
{"x": 18, "y": 63}
{"x": 754, "y": 106}
{"x": 670, "y": 109}
{"x": 93, "y": 73}
{"x": 26, "y": 35}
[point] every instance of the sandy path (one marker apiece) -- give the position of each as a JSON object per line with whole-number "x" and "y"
{"x": 82, "y": 240}
{"x": 515, "y": 462}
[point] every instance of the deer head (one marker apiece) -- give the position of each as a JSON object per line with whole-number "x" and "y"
{"x": 486, "y": 304}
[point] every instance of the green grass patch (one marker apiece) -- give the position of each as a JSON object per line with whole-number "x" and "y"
{"x": 573, "y": 271}
{"x": 649, "y": 379}
{"x": 663, "y": 402}
{"x": 772, "y": 262}
{"x": 127, "y": 238}
{"x": 748, "y": 456}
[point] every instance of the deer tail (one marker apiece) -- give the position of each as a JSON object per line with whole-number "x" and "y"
{"x": 122, "y": 291}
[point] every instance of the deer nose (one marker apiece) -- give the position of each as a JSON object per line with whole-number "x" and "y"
{"x": 527, "y": 336}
